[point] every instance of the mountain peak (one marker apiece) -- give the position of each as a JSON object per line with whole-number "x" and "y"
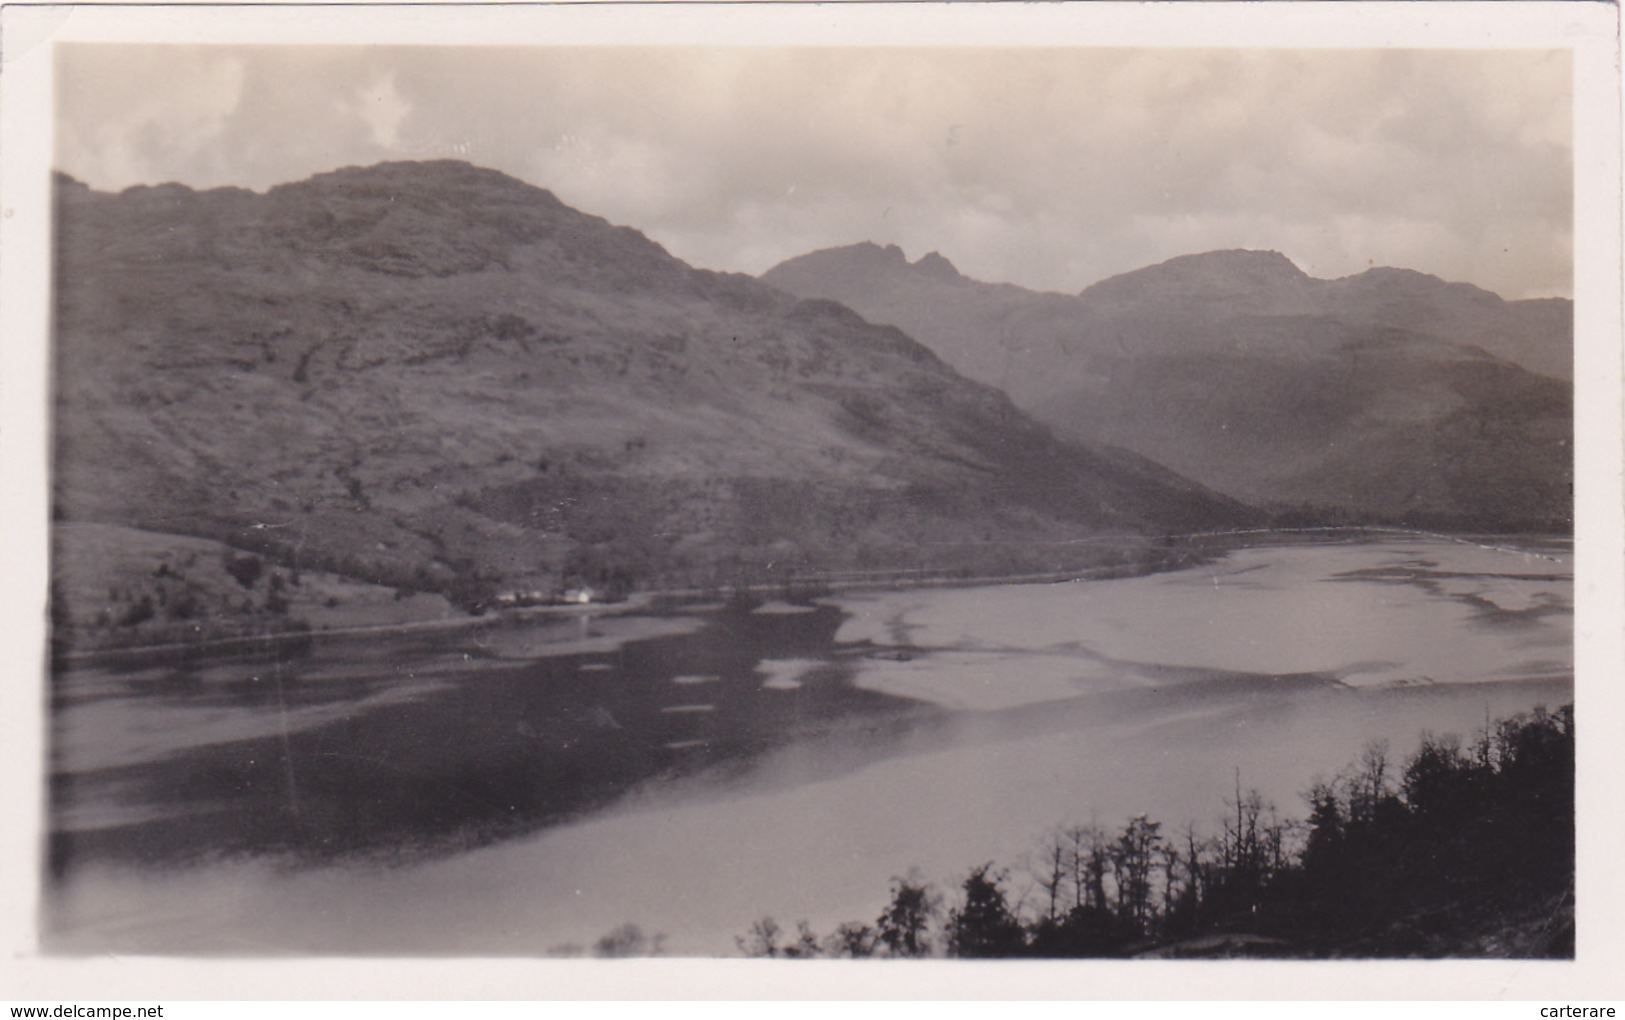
{"x": 415, "y": 219}
{"x": 1413, "y": 282}
{"x": 937, "y": 267}
{"x": 1209, "y": 275}
{"x": 865, "y": 264}
{"x": 1262, "y": 258}
{"x": 433, "y": 177}
{"x": 1236, "y": 265}
{"x": 851, "y": 265}
{"x": 867, "y": 251}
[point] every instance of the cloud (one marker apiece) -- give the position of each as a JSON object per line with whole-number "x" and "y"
{"x": 381, "y": 107}
{"x": 1046, "y": 167}
{"x": 144, "y": 115}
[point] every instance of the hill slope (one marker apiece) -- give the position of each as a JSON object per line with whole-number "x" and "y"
{"x": 438, "y": 377}
{"x": 1390, "y": 396}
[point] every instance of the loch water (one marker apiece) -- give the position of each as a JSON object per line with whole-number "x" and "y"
{"x": 527, "y": 786}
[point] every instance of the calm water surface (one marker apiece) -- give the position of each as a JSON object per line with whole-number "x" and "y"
{"x": 514, "y": 789}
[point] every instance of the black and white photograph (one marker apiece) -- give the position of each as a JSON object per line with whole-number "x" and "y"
{"x": 1038, "y": 500}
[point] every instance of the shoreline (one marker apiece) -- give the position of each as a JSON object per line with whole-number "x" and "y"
{"x": 817, "y": 585}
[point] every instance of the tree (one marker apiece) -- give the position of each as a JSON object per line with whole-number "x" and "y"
{"x": 1434, "y": 777}
{"x": 762, "y": 939}
{"x": 1371, "y": 873}
{"x": 245, "y": 570}
{"x": 852, "y": 940}
{"x": 1051, "y": 873}
{"x": 1084, "y": 932}
{"x": 1170, "y": 860}
{"x": 984, "y": 926}
{"x": 806, "y": 946}
{"x": 1252, "y": 848}
{"x": 1369, "y": 786}
{"x": 628, "y": 940}
{"x": 1326, "y": 824}
{"x": 1089, "y": 858}
{"x": 904, "y": 928}
{"x": 1134, "y": 857}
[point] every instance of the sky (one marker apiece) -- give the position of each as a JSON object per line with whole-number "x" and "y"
{"x": 1049, "y": 168}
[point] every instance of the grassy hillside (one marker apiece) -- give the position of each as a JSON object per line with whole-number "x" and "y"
{"x": 434, "y": 377}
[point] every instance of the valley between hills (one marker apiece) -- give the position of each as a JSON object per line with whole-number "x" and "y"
{"x": 398, "y": 392}
{"x": 1389, "y": 397}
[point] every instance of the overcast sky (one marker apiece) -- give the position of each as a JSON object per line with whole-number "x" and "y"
{"x": 1050, "y": 168}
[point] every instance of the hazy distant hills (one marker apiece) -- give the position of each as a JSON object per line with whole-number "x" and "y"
{"x": 436, "y": 375}
{"x": 1390, "y": 396}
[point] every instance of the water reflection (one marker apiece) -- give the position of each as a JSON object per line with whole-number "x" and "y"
{"x": 786, "y": 762}
{"x": 395, "y": 756}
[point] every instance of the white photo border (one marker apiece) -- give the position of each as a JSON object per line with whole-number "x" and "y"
{"x": 1589, "y": 30}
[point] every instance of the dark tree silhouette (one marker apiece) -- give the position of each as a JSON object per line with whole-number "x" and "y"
{"x": 1134, "y": 858}
{"x": 852, "y": 940}
{"x": 905, "y": 926}
{"x": 762, "y": 939}
{"x": 628, "y": 940}
{"x": 984, "y": 926}
{"x": 1454, "y": 853}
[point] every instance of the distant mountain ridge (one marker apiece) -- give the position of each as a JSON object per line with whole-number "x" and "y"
{"x": 437, "y": 376}
{"x": 1390, "y": 396}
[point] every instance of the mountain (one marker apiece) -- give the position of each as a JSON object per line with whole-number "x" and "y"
{"x": 1386, "y": 397}
{"x": 437, "y": 377}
